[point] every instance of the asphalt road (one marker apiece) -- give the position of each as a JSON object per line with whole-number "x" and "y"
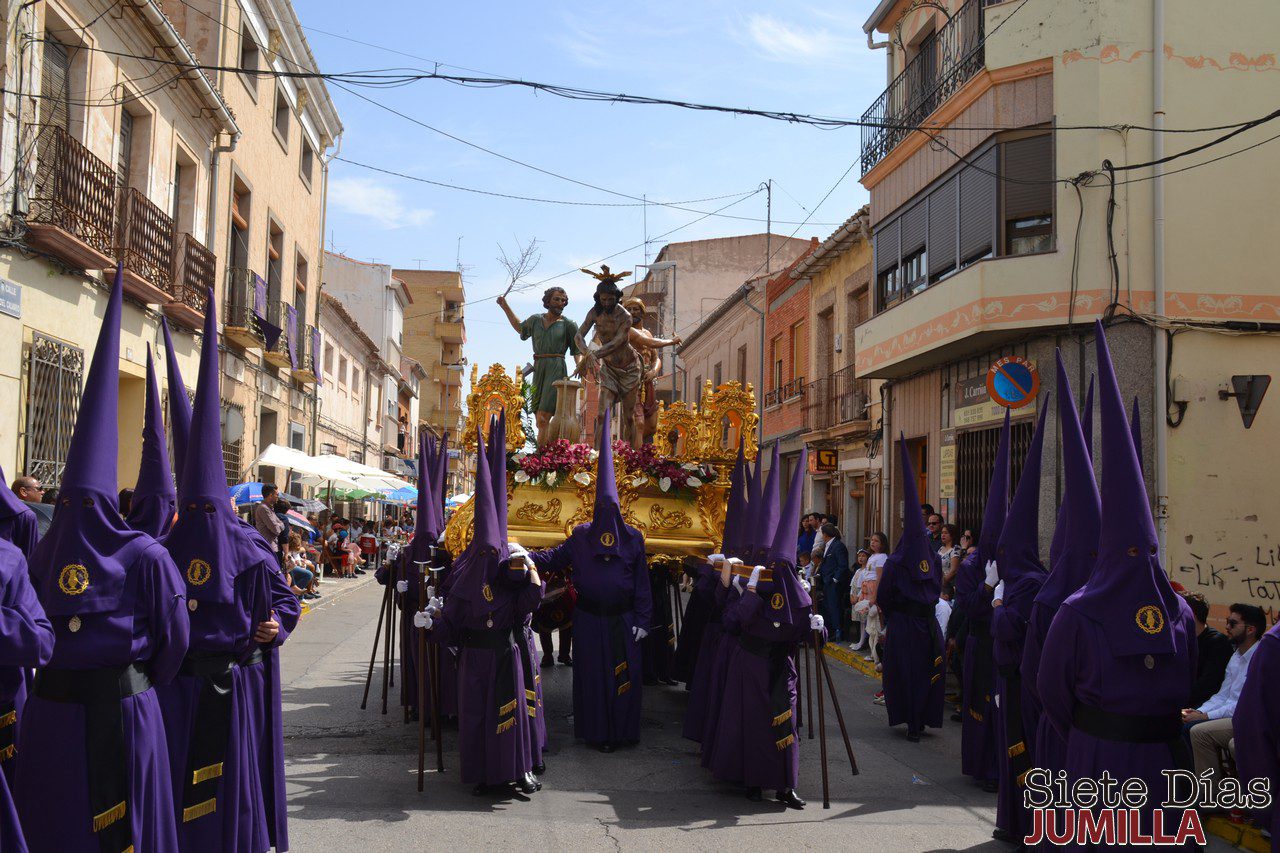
{"x": 351, "y": 773}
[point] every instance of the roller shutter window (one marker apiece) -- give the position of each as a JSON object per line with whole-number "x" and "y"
{"x": 55, "y": 86}
{"x": 888, "y": 285}
{"x": 1028, "y": 195}
{"x": 942, "y": 229}
{"x": 978, "y": 207}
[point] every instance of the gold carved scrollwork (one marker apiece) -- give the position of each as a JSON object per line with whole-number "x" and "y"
{"x": 726, "y": 414}
{"x": 457, "y": 533}
{"x": 490, "y": 394}
{"x": 662, "y": 519}
{"x": 677, "y": 436}
{"x": 548, "y": 513}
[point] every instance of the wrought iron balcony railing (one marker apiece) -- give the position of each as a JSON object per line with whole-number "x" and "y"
{"x": 946, "y": 60}
{"x": 144, "y": 239}
{"x": 193, "y": 275}
{"x": 840, "y": 398}
{"x": 75, "y": 192}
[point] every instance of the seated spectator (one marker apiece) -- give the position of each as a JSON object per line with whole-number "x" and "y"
{"x": 301, "y": 572}
{"x": 1209, "y": 726}
{"x": 1213, "y": 652}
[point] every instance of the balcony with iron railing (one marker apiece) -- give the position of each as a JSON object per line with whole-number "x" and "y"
{"x": 144, "y": 245}
{"x": 946, "y": 60}
{"x": 240, "y": 326}
{"x": 193, "y": 275}
{"x": 450, "y": 328}
{"x": 278, "y": 355}
{"x": 786, "y": 393}
{"x": 308, "y": 369}
{"x": 838, "y": 402}
{"x": 73, "y": 204}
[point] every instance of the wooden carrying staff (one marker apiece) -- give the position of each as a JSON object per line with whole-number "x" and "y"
{"x": 422, "y": 673}
{"x": 373, "y": 657}
{"x": 436, "y": 728}
{"x": 820, "y": 665}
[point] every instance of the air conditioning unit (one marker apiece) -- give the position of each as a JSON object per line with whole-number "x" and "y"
{"x": 839, "y": 342}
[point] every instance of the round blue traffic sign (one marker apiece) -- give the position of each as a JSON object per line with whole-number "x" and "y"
{"x": 1013, "y": 382}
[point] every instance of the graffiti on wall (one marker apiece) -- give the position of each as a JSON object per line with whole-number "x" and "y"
{"x": 1225, "y": 577}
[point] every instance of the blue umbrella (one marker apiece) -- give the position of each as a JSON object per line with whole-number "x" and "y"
{"x": 403, "y": 496}
{"x": 246, "y": 493}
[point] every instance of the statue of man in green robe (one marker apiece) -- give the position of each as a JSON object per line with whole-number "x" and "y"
{"x": 553, "y": 334}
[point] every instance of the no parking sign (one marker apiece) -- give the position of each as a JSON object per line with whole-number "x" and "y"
{"x": 1013, "y": 382}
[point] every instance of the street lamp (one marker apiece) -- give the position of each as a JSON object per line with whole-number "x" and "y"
{"x": 669, "y": 265}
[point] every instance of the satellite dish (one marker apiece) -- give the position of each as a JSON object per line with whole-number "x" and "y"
{"x": 232, "y": 425}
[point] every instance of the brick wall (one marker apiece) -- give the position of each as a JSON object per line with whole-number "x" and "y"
{"x": 787, "y": 339}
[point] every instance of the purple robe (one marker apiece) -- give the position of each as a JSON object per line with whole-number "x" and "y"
{"x": 493, "y": 739}
{"x": 406, "y": 604}
{"x": 1257, "y": 725}
{"x": 756, "y": 743}
{"x": 693, "y": 627}
{"x": 913, "y": 669}
{"x": 605, "y": 709}
{"x": 20, "y": 528}
{"x": 1078, "y": 666}
{"x": 979, "y": 739}
{"x": 1049, "y": 749}
{"x": 718, "y": 671}
{"x": 26, "y": 641}
{"x": 251, "y": 816}
{"x": 658, "y": 650}
{"x": 538, "y": 732}
{"x": 700, "y": 699}
{"x": 1009, "y": 632}
{"x": 148, "y": 624}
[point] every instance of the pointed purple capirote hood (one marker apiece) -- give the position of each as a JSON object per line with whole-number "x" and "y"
{"x": 749, "y": 535}
{"x": 1128, "y": 592}
{"x": 997, "y": 506}
{"x": 913, "y": 554}
{"x": 608, "y": 532}
{"x": 1135, "y": 429}
{"x": 1060, "y": 525}
{"x": 735, "y": 505}
{"x": 441, "y": 481}
{"x": 498, "y": 463}
{"x": 154, "y": 497}
{"x": 81, "y": 563}
{"x": 208, "y": 542}
{"x": 781, "y": 559}
{"x": 179, "y": 404}
{"x": 425, "y": 533}
{"x": 1081, "y": 514}
{"x": 481, "y": 562}
{"x": 765, "y": 519}
{"x": 1018, "y": 554}
{"x": 10, "y": 504}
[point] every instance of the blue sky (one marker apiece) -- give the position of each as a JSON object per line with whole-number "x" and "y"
{"x": 805, "y": 58}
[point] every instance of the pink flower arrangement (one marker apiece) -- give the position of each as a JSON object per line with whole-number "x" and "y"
{"x": 667, "y": 473}
{"x": 558, "y": 457}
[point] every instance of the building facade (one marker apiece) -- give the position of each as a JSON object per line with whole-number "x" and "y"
{"x": 1020, "y": 217}
{"x": 786, "y": 360}
{"x": 351, "y": 368}
{"x": 726, "y": 345}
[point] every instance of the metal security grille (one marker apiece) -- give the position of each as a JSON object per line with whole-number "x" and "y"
{"x": 232, "y": 451}
{"x": 53, "y": 399}
{"x": 975, "y": 460}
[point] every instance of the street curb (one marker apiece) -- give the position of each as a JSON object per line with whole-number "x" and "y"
{"x": 1238, "y": 835}
{"x": 852, "y": 660}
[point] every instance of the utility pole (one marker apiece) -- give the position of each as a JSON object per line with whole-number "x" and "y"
{"x": 768, "y": 229}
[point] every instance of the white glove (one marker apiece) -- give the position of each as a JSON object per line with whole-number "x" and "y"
{"x": 816, "y": 622}
{"x": 431, "y": 593}
{"x": 754, "y": 580}
{"x": 639, "y": 633}
{"x": 998, "y": 595}
{"x": 422, "y": 619}
{"x": 437, "y": 603}
{"x": 993, "y": 574}
{"x": 737, "y": 583}
{"x": 402, "y": 587}
{"x": 805, "y": 585}
{"x": 715, "y": 559}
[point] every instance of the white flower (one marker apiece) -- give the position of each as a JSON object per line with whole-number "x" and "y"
{"x": 690, "y": 466}
{"x": 664, "y": 483}
{"x": 551, "y": 478}
{"x": 639, "y": 481}
{"x": 583, "y": 477}
{"x": 694, "y": 481}
{"x": 521, "y": 477}
{"x": 593, "y": 455}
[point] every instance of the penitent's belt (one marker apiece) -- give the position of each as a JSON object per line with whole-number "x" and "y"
{"x": 977, "y": 698}
{"x": 8, "y": 726}
{"x": 1134, "y": 728}
{"x": 100, "y": 692}
{"x": 211, "y": 729}
{"x": 1015, "y": 739}
{"x": 617, "y": 635}
{"x": 778, "y": 654}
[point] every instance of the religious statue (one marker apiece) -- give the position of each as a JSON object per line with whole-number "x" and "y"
{"x": 613, "y": 364}
{"x": 552, "y": 335}
{"x": 647, "y": 346}
{"x": 606, "y": 277}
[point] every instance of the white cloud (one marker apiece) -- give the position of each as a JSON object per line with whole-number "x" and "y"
{"x": 372, "y": 200}
{"x": 786, "y": 42}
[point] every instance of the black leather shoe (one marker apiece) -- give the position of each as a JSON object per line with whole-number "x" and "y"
{"x": 480, "y": 790}
{"x": 755, "y": 795}
{"x": 956, "y": 718}
{"x": 539, "y": 769}
{"x": 606, "y": 747}
{"x": 790, "y": 799}
{"x": 547, "y": 662}
{"x": 527, "y": 784}
{"x": 566, "y": 661}
{"x": 913, "y": 737}
{"x": 1003, "y": 835}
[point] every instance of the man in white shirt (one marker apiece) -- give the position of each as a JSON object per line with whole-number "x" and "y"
{"x": 1209, "y": 726}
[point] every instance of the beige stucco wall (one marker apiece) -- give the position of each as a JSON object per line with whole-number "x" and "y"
{"x": 720, "y": 342}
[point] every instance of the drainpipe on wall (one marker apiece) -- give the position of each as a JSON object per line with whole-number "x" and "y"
{"x": 746, "y": 300}
{"x": 324, "y": 217}
{"x": 1160, "y": 404}
{"x": 888, "y": 54}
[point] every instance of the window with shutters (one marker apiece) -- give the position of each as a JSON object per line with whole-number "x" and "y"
{"x": 233, "y": 451}
{"x": 55, "y": 85}
{"x": 1027, "y": 192}
{"x": 742, "y": 365}
{"x": 717, "y": 376}
{"x": 250, "y": 60}
{"x": 54, "y": 377}
{"x": 281, "y": 124}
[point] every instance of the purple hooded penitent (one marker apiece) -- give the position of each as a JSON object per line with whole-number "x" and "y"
{"x": 420, "y": 549}
{"x": 1119, "y": 657}
{"x": 1017, "y": 714}
{"x": 484, "y": 613}
{"x": 154, "y": 497}
{"x": 232, "y": 586}
{"x": 907, "y": 595}
{"x": 179, "y": 404}
{"x": 611, "y": 575}
{"x": 1060, "y": 527}
{"x": 1079, "y": 521}
{"x": 18, "y": 523}
{"x": 755, "y": 741}
{"x": 1256, "y": 726}
{"x": 735, "y": 504}
{"x": 113, "y": 597}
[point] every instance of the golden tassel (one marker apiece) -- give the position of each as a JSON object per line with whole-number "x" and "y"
{"x": 7, "y": 752}
{"x": 785, "y": 742}
{"x": 975, "y": 715}
{"x": 128, "y": 849}
{"x": 1022, "y": 778}
{"x": 507, "y": 708}
{"x": 531, "y": 695}
{"x": 1017, "y": 749}
{"x": 937, "y": 661}
{"x": 934, "y": 680}
{"x": 209, "y": 806}
{"x": 204, "y": 774}
{"x": 533, "y": 712}
{"x": 110, "y": 816}
{"x": 620, "y": 668}
{"x": 624, "y": 688}
{"x": 506, "y": 724}
{"x": 8, "y": 719}
{"x": 781, "y": 718}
